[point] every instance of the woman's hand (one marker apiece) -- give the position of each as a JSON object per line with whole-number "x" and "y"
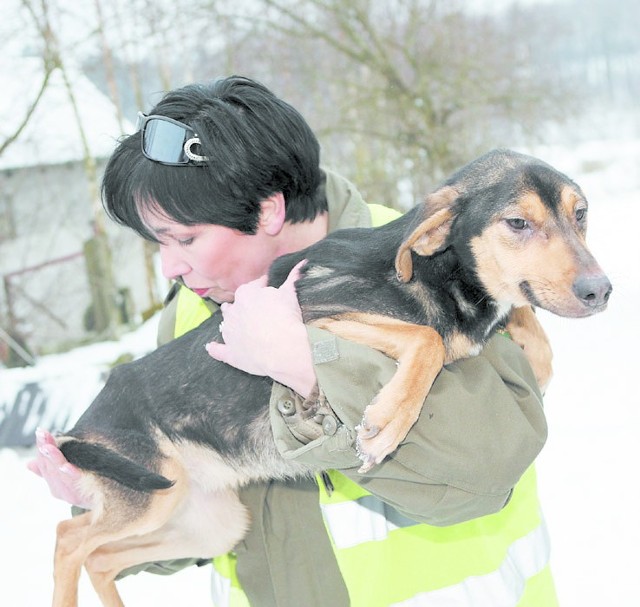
{"x": 61, "y": 476}
{"x": 264, "y": 335}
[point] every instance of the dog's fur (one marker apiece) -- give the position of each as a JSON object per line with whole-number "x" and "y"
{"x": 173, "y": 435}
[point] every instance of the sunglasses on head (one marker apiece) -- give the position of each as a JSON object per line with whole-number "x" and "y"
{"x": 168, "y": 141}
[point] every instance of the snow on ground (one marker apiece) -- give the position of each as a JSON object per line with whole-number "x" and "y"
{"x": 587, "y": 472}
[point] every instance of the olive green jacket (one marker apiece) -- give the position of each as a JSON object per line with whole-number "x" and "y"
{"x": 482, "y": 426}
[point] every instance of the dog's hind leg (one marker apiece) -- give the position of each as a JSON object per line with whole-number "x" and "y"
{"x": 119, "y": 513}
{"x": 419, "y": 351}
{"x": 106, "y": 590}
{"x": 71, "y": 551}
{"x": 81, "y": 536}
{"x": 207, "y": 524}
{"x": 77, "y": 538}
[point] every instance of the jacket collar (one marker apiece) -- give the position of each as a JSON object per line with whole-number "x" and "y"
{"x": 347, "y": 209}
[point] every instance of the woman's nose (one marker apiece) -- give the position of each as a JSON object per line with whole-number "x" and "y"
{"x": 173, "y": 265}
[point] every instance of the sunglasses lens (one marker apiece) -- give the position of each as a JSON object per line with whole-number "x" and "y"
{"x": 163, "y": 141}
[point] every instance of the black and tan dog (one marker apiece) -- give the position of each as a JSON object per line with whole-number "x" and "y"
{"x": 173, "y": 435}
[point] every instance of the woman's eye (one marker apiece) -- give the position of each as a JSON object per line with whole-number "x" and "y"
{"x": 185, "y": 242}
{"x": 517, "y": 223}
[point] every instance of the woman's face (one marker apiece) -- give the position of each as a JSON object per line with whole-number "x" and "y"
{"x": 212, "y": 260}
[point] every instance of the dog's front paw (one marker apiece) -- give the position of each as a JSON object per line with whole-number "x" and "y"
{"x": 378, "y": 436}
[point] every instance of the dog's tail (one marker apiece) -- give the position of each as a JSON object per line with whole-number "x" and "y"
{"x": 105, "y": 462}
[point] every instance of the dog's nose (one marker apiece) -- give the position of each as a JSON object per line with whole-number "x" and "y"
{"x": 594, "y": 291}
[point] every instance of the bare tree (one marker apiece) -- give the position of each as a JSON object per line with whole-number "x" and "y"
{"x": 53, "y": 60}
{"x": 108, "y": 28}
{"x": 399, "y": 92}
{"x": 107, "y": 59}
{"x": 98, "y": 254}
{"x": 401, "y": 89}
{"x": 30, "y": 110}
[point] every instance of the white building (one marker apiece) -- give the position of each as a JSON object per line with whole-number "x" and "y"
{"x": 46, "y": 206}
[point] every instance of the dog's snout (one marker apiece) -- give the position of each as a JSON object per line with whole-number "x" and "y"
{"x": 593, "y": 290}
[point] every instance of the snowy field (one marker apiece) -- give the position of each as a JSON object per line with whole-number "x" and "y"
{"x": 588, "y": 471}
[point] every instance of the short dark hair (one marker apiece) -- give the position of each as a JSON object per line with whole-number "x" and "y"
{"x": 257, "y": 145}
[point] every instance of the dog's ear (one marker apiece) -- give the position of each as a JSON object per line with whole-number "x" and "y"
{"x": 430, "y": 233}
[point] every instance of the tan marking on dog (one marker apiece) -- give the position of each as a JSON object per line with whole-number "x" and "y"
{"x": 459, "y": 346}
{"x": 429, "y": 234}
{"x": 206, "y": 468}
{"x": 441, "y": 199}
{"x": 531, "y": 208}
{"x": 526, "y": 331}
{"x": 570, "y": 200}
{"x": 424, "y": 240}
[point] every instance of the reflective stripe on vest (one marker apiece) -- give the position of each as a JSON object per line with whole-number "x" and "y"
{"x": 505, "y": 586}
{"x": 388, "y": 559}
{"x": 220, "y": 589}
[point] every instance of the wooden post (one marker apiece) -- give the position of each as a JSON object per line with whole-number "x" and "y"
{"x": 101, "y": 282}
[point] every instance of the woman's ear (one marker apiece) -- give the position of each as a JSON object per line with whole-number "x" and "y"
{"x": 272, "y": 214}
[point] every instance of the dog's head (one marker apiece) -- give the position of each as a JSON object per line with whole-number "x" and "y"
{"x": 520, "y": 226}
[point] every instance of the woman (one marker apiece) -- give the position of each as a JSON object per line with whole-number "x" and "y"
{"x": 225, "y": 177}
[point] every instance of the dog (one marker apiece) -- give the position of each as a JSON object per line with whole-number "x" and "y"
{"x": 172, "y": 436}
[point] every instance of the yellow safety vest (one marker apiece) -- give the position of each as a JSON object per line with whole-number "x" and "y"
{"x": 499, "y": 560}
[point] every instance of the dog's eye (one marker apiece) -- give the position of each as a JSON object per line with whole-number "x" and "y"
{"x": 581, "y": 213}
{"x": 517, "y": 223}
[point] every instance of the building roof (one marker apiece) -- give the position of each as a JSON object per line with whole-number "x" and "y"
{"x": 52, "y": 135}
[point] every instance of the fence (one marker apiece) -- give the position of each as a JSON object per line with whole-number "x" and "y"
{"x": 45, "y": 305}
